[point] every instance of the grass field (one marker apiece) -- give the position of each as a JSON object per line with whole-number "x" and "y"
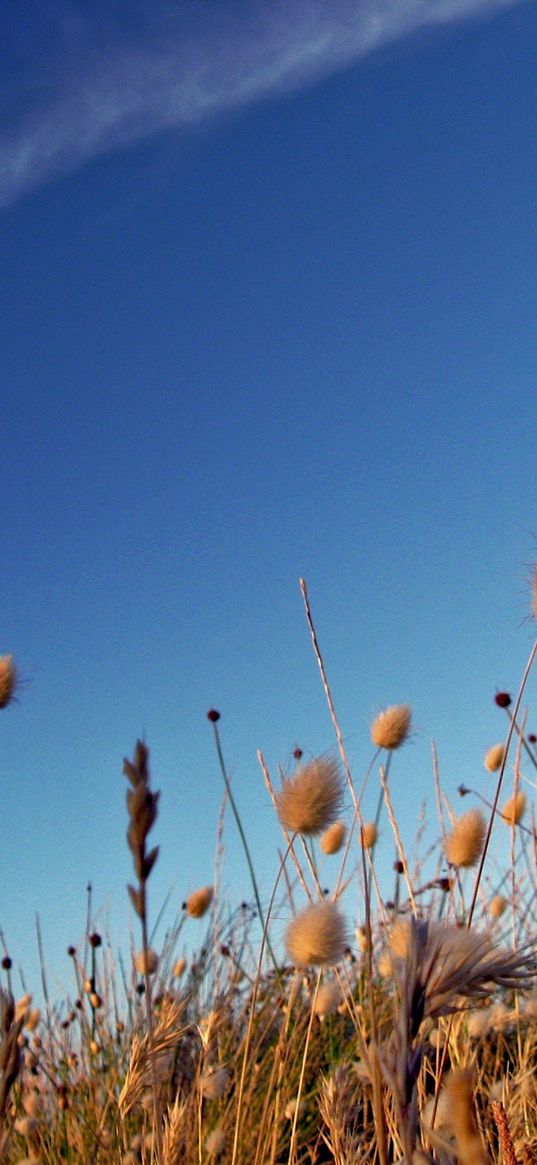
{"x": 383, "y": 1030}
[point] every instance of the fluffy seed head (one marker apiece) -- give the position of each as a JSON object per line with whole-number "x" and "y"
{"x": 215, "y": 1142}
{"x": 399, "y": 938}
{"x": 494, "y": 757}
{"x": 32, "y": 1103}
{"x": 333, "y": 838}
{"x": 479, "y": 1022}
{"x": 369, "y": 835}
{"x": 385, "y": 965}
{"x": 311, "y": 800}
{"x": 497, "y": 906}
{"x": 361, "y": 939}
{"x": 513, "y": 810}
{"x": 462, "y": 1121}
{"x": 292, "y": 1107}
{"x": 328, "y": 998}
{"x": 8, "y": 680}
{"x": 391, "y": 727}
{"x": 199, "y": 901}
{"x": 464, "y": 845}
{"x": 27, "y": 1126}
{"x": 214, "y": 1083}
{"x": 22, "y": 1007}
{"x": 146, "y": 962}
{"x": 317, "y": 936}
{"x": 441, "y": 1113}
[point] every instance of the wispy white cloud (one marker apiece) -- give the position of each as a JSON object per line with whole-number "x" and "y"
{"x": 99, "y": 83}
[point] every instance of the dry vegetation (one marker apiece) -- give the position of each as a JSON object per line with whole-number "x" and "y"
{"x": 386, "y": 1031}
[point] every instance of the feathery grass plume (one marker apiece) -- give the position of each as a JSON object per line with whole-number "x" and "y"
{"x": 339, "y": 1103}
{"x": 142, "y": 807}
{"x": 10, "y": 1051}
{"x": 392, "y": 726}
{"x": 197, "y": 903}
{"x": 208, "y": 1026}
{"x": 146, "y": 962}
{"x": 497, "y": 905}
{"x": 369, "y": 835}
{"x": 149, "y": 1053}
{"x": 8, "y": 680}
{"x": 514, "y": 808}
{"x": 173, "y": 1140}
{"x": 311, "y": 800}
{"x": 494, "y": 758}
{"x": 317, "y": 936}
{"x": 446, "y": 964}
{"x": 333, "y": 838}
{"x": 328, "y": 998}
{"x": 462, "y": 1119}
{"x": 464, "y": 845}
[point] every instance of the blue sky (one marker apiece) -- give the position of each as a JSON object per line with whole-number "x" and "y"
{"x": 269, "y": 313}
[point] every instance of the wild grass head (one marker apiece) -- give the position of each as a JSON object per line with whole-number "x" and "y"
{"x": 306, "y": 1025}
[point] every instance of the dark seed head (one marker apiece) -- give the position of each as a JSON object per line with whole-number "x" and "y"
{"x": 95, "y": 939}
{"x": 6, "y": 963}
{"x": 213, "y": 715}
{"x": 502, "y": 699}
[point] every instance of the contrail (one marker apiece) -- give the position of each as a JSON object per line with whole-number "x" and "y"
{"x": 98, "y": 84}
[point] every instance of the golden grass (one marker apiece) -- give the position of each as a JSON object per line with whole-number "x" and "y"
{"x": 385, "y": 1031}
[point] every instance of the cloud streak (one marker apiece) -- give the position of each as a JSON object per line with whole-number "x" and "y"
{"x": 100, "y": 84}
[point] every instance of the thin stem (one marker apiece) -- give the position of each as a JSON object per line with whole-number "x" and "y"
{"x": 303, "y": 1071}
{"x": 330, "y": 702}
{"x": 501, "y": 774}
{"x": 381, "y": 799}
{"x": 243, "y": 838}
{"x": 248, "y": 1038}
{"x": 398, "y": 842}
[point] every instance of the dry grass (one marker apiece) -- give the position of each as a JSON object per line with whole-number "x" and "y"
{"x": 396, "y": 1030}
